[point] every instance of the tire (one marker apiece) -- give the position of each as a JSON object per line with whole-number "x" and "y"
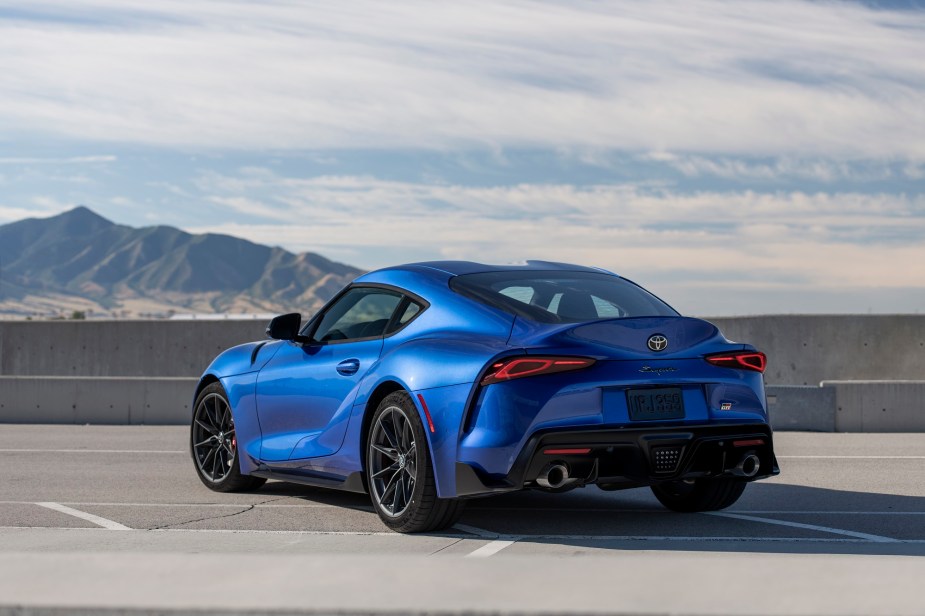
{"x": 400, "y": 473}
{"x": 215, "y": 455}
{"x": 701, "y": 495}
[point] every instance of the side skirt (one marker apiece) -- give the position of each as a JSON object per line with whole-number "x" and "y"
{"x": 351, "y": 483}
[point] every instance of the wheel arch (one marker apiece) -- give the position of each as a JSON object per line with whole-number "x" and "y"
{"x": 205, "y": 381}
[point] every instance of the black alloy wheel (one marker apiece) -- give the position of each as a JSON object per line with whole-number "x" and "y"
{"x": 399, "y": 472}
{"x": 393, "y": 461}
{"x": 214, "y": 444}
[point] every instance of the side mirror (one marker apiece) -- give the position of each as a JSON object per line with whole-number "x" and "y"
{"x": 285, "y": 326}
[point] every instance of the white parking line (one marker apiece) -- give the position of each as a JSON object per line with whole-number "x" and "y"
{"x": 500, "y": 542}
{"x": 489, "y": 549}
{"x": 204, "y": 505}
{"x": 822, "y": 512}
{"x": 851, "y": 457}
{"x": 83, "y": 515}
{"x": 822, "y": 529}
{"x": 520, "y": 538}
{"x": 486, "y": 534}
{"x": 544, "y": 509}
{"x": 472, "y": 529}
{"x": 233, "y": 531}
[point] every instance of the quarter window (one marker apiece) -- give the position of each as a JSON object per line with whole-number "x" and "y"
{"x": 410, "y": 312}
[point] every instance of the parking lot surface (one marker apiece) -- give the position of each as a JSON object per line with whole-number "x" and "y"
{"x": 114, "y": 517}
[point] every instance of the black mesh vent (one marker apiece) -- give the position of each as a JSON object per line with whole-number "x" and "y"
{"x": 666, "y": 459}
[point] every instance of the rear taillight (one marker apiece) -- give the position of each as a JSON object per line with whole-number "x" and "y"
{"x": 746, "y": 360}
{"x": 519, "y": 367}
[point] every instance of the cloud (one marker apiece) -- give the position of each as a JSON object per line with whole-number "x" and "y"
{"x": 41, "y": 208}
{"x": 810, "y": 79}
{"x": 750, "y": 239}
{"x": 249, "y": 207}
{"x": 72, "y": 160}
{"x": 914, "y": 172}
{"x": 781, "y": 168}
{"x": 48, "y": 205}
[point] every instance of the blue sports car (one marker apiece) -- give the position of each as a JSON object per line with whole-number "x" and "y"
{"x": 432, "y": 383}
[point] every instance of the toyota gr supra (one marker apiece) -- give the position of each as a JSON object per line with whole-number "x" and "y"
{"x": 428, "y": 384}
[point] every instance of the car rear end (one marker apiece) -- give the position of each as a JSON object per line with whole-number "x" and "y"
{"x": 634, "y": 400}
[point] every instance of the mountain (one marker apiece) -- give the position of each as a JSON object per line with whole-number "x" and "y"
{"x": 79, "y": 260}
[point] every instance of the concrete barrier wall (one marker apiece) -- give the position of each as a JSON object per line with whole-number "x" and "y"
{"x": 109, "y": 367}
{"x": 802, "y": 350}
{"x": 849, "y": 406}
{"x": 798, "y": 407}
{"x": 809, "y": 349}
{"x": 96, "y": 400}
{"x": 878, "y": 406}
{"x": 118, "y": 348}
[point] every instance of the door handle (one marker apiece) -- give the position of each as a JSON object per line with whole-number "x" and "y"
{"x": 348, "y": 367}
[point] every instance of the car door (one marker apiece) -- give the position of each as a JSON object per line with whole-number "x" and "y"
{"x": 306, "y": 392}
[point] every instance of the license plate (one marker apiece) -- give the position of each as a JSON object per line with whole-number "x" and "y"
{"x": 649, "y": 404}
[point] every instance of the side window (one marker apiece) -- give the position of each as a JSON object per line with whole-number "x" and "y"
{"x": 554, "y": 303}
{"x": 360, "y": 313}
{"x": 410, "y": 312}
{"x": 521, "y": 294}
{"x": 606, "y": 309}
{"x": 407, "y": 313}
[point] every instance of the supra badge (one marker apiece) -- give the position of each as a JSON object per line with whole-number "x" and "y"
{"x": 658, "y": 371}
{"x": 657, "y": 342}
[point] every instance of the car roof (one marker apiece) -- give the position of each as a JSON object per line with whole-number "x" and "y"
{"x": 458, "y": 268}
{"x": 428, "y": 279}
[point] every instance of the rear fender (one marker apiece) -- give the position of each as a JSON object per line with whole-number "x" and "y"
{"x": 446, "y": 407}
{"x": 430, "y": 362}
{"x": 441, "y": 371}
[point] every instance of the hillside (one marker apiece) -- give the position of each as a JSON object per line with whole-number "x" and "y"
{"x": 79, "y": 260}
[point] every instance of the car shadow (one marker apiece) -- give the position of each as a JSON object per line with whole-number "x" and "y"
{"x": 778, "y": 518}
{"x": 323, "y": 496}
{"x": 770, "y": 517}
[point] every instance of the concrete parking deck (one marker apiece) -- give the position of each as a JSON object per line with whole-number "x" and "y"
{"x": 113, "y": 517}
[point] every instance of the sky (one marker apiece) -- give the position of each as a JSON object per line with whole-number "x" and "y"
{"x": 741, "y": 157}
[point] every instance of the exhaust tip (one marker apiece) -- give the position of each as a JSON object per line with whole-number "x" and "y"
{"x": 748, "y": 466}
{"x": 553, "y": 475}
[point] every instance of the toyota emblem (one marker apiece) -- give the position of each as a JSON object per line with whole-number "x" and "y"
{"x": 658, "y": 342}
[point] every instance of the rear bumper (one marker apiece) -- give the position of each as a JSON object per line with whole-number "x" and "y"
{"x": 630, "y": 457}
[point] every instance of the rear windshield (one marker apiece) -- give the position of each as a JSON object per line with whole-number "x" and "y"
{"x": 561, "y": 297}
